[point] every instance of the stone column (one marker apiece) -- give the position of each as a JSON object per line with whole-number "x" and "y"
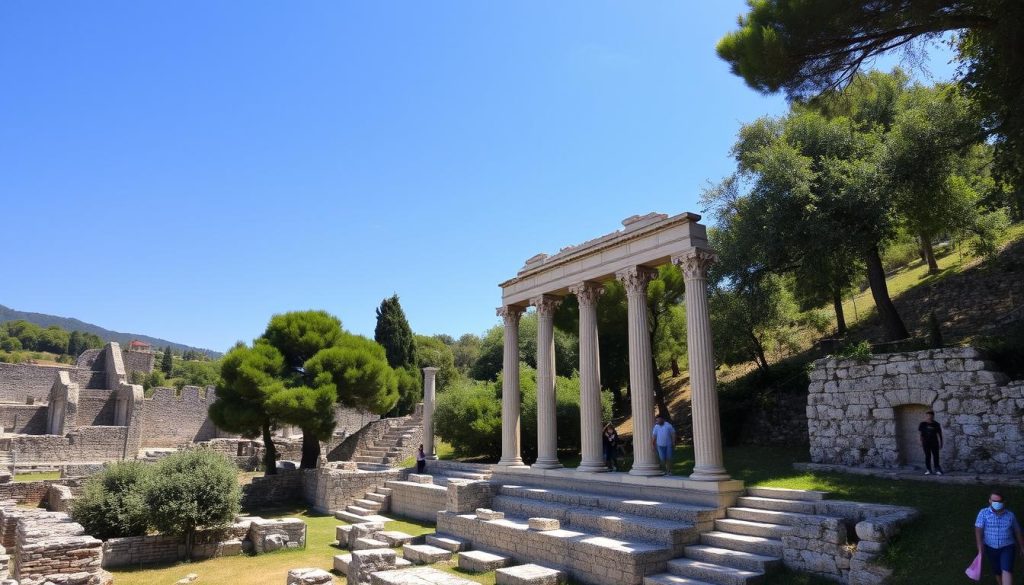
{"x": 510, "y": 397}
{"x": 547, "y": 428}
{"x": 707, "y": 434}
{"x": 591, "y": 450}
{"x": 429, "y": 376}
{"x": 641, "y": 372}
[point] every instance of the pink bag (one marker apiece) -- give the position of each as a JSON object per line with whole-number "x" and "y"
{"x": 974, "y": 571}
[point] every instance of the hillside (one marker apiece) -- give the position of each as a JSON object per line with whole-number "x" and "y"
{"x": 70, "y": 324}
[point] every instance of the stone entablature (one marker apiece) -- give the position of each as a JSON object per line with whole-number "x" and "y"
{"x": 866, "y": 413}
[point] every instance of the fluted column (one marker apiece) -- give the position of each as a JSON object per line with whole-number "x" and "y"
{"x": 429, "y": 377}
{"x": 547, "y": 429}
{"x": 510, "y": 396}
{"x": 592, "y": 454}
{"x": 641, "y": 373}
{"x": 707, "y": 434}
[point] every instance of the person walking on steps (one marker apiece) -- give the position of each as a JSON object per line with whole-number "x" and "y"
{"x": 931, "y": 442}
{"x": 998, "y": 536}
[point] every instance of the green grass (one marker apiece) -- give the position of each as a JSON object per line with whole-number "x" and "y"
{"x": 37, "y": 476}
{"x": 444, "y": 451}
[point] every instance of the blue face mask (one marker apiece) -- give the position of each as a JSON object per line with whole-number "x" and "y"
{"x": 997, "y": 506}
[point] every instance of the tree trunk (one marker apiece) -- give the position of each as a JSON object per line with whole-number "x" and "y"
{"x": 310, "y": 450}
{"x": 928, "y": 253}
{"x": 675, "y": 368}
{"x": 659, "y": 393}
{"x": 269, "y": 452}
{"x": 891, "y": 321}
{"x": 189, "y": 539}
{"x": 837, "y": 304}
{"x": 758, "y": 351}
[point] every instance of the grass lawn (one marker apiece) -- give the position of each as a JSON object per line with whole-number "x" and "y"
{"x": 37, "y": 476}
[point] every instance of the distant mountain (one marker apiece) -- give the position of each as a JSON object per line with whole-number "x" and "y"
{"x": 69, "y": 324}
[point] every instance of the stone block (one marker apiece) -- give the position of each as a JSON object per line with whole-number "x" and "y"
{"x": 341, "y": 533}
{"x": 446, "y": 542}
{"x": 365, "y": 562}
{"x": 425, "y": 554}
{"x": 341, "y": 563}
{"x": 486, "y": 514}
{"x": 368, "y": 544}
{"x": 529, "y": 574}
{"x": 395, "y": 538}
{"x": 421, "y": 478}
{"x": 478, "y": 561}
{"x": 544, "y": 524}
{"x": 309, "y": 576}
{"x": 417, "y": 576}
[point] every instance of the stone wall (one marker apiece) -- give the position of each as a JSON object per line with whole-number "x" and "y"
{"x": 49, "y": 547}
{"x": 780, "y": 420}
{"x": 58, "y": 498}
{"x": 866, "y": 413}
{"x": 82, "y": 444}
{"x": 421, "y": 501}
{"x": 23, "y": 418}
{"x": 37, "y": 493}
{"x": 328, "y": 490}
{"x": 138, "y": 361}
{"x": 170, "y": 418}
{"x": 96, "y": 407}
{"x": 371, "y": 433}
{"x": 271, "y": 490}
{"x": 18, "y": 382}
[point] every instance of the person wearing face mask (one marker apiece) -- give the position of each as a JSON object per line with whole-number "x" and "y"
{"x": 998, "y": 536}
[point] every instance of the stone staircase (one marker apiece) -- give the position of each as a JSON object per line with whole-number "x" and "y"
{"x": 369, "y": 508}
{"x": 390, "y": 449}
{"x": 745, "y": 545}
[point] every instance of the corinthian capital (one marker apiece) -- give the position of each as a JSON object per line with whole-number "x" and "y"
{"x": 510, "y": 314}
{"x": 546, "y": 304}
{"x": 587, "y": 293}
{"x": 695, "y": 263}
{"x": 636, "y": 279}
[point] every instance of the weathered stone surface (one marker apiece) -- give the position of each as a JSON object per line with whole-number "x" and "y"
{"x": 421, "y": 478}
{"x": 395, "y": 538}
{"x": 543, "y": 524}
{"x": 418, "y": 576}
{"x": 309, "y": 576}
{"x": 486, "y": 514}
{"x": 425, "y": 554}
{"x": 366, "y": 562}
{"x": 479, "y": 561}
{"x": 529, "y": 574}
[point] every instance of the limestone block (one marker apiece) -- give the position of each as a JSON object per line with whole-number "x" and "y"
{"x": 395, "y": 538}
{"x": 486, "y": 514}
{"x": 363, "y": 530}
{"x": 341, "y": 563}
{"x": 272, "y": 542}
{"x": 544, "y": 524}
{"x": 478, "y": 561}
{"x": 417, "y": 576}
{"x": 446, "y": 542}
{"x": 309, "y": 576}
{"x": 421, "y": 478}
{"x": 529, "y": 574}
{"x": 341, "y": 533}
{"x": 361, "y": 544}
{"x": 365, "y": 562}
{"x": 425, "y": 554}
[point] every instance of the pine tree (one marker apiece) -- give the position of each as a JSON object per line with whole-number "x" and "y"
{"x": 167, "y": 363}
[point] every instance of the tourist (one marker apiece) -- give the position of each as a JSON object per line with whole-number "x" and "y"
{"x": 421, "y": 459}
{"x": 664, "y": 437}
{"x": 931, "y": 442}
{"x": 995, "y": 531}
{"x": 610, "y": 439}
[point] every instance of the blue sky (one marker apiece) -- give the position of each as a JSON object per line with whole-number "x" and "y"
{"x": 185, "y": 170}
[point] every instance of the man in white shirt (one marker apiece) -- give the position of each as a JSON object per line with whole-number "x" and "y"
{"x": 663, "y": 436}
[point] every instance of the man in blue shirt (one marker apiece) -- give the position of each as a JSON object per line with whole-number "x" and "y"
{"x": 995, "y": 531}
{"x": 664, "y": 437}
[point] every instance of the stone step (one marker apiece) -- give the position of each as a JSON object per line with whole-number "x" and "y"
{"x": 341, "y": 563}
{"x": 732, "y": 558}
{"x": 769, "y": 547}
{"x": 752, "y": 528}
{"x": 529, "y": 574}
{"x": 394, "y": 538}
{"x": 776, "y": 504}
{"x": 788, "y": 494}
{"x": 458, "y": 474}
{"x": 478, "y": 561}
{"x": 603, "y": 522}
{"x": 670, "y": 579}
{"x": 373, "y": 466}
{"x": 368, "y": 544}
{"x": 346, "y": 516}
{"x": 359, "y": 510}
{"x": 381, "y": 499}
{"x": 767, "y": 516}
{"x": 386, "y": 491}
{"x": 368, "y": 459}
{"x": 425, "y": 554}
{"x": 713, "y": 573}
{"x": 367, "y": 505}
{"x": 648, "y": 508}
{"x": 446, "y": 542}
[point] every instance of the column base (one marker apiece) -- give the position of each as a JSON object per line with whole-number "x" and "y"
{"x": 546, "y": 464}
{"x": 592, "y": 467}
{"x": 647, "y": 469}
{"x": 517, "y": 462}
{"x": 710, "y": 474}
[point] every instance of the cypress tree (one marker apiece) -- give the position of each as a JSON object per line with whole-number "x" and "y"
{"x": 167, "y": 363}
{"x": 393, "y": 332}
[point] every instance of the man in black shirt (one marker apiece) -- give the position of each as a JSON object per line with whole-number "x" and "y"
{"x": 931, "y": 441}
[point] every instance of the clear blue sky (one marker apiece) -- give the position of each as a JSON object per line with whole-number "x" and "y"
{"x": 187, "y": 169}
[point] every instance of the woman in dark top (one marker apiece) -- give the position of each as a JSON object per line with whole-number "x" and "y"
{"x": 610, "y": 439}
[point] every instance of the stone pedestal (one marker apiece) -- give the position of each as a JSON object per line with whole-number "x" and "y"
{"x": 510, "y": 394}
{"x": 641, "y": 370}
{"x": 429, "y": 381}
{"x": 707, "y": 435}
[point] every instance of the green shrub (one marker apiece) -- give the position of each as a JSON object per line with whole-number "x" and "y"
{"x": 860, "y": 351}
{"x": 1006, "y": 349}
{"x": 192, "y": 489}
{"x": 112, "y": 503}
